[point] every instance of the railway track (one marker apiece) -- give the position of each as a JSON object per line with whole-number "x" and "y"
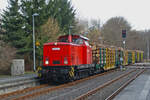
{"x": 124, "y": 85}
{"x": 86, "y": 96}
{"x": 32, "y": 92}
{"x": 39, "y": 91}
{"x": 70, "y": 93}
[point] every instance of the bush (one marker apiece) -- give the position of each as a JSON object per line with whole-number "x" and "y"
{"x": 7, "y": 53}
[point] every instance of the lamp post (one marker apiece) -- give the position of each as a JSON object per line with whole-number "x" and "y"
{"x": 35, "y": 14}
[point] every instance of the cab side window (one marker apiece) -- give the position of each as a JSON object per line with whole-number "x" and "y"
{"x": 63, "y": 40}
{"x": 86, "y": 43}
{"x": 79, "y": 41}
{"x": 74, "y": 40}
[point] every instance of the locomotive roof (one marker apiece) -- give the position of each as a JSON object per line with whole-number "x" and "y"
{"x": 75, "y": 35}
{"x": 83, "y": 37}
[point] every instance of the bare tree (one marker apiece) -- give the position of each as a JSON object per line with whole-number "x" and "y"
{"x": 82, "y": 26}
{"x": 135, "y": 40}
{"x": 7, "y": 53}
{"x": 95, "y": 36}
{"x": 146, "y": 44}
{"x": 96, "y": 24}
{"x": 111, "y": 30}
{"x": 49, "y": 31}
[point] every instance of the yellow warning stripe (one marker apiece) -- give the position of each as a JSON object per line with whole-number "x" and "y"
{"x": 39, "y": 69}
{"x": 71, "y": 72}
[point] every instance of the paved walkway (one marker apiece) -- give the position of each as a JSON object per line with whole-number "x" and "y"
{"x": 139, "y": 89}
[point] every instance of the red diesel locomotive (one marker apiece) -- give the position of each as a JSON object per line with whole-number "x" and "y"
{"x": 68, "y": 59}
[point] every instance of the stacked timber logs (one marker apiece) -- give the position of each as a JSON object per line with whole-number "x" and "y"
{"x": 107, "y": 57}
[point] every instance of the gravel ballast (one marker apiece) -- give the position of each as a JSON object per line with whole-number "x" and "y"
{"x": 72, "y": 92}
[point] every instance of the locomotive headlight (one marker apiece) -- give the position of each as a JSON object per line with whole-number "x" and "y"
{"x": 65, "y": 61}
{"x": 46, "y": 62}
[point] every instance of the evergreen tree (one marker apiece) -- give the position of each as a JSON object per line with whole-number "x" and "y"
{"x": 13, "y": 25}
{"x": 63, "y": 12}
{"x": 60, "y": 10}
{"x": 17, "y": 21}
{"x": 28, "y": 8}
{"x": 49, "y": 32}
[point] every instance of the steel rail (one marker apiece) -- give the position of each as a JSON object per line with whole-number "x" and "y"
{"x": 35, "y": 94}
{"x": 123, "y": 86}
{"x": 86, "y": 95}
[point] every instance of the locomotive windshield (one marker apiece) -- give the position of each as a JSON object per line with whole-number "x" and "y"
{"x": 65, "y": 39}
{"x": 77, "y": 40}
{"x": 74, "y": 40}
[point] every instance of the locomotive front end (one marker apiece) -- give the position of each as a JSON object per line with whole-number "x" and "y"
{"x": 56, "y": 56}
{"x": 68, "y": 59}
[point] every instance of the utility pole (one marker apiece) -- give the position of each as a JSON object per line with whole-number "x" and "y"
{"x": 124, "y": 37}
{"x": 124, "y": 44}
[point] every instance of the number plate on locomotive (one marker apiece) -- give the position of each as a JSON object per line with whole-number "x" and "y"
{"x": 55, "y": 48}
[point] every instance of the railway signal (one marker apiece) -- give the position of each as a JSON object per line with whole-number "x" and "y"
{"x": 123, "y": 33}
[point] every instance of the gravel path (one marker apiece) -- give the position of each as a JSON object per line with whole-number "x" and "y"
{"x": 72, "y": 92}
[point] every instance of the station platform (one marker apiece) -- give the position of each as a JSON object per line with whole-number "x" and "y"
{"x": 16, "y": 78}
{"x": 139, "y": 89}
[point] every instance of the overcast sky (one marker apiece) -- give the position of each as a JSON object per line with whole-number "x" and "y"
{"x": 137, "y": 12}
